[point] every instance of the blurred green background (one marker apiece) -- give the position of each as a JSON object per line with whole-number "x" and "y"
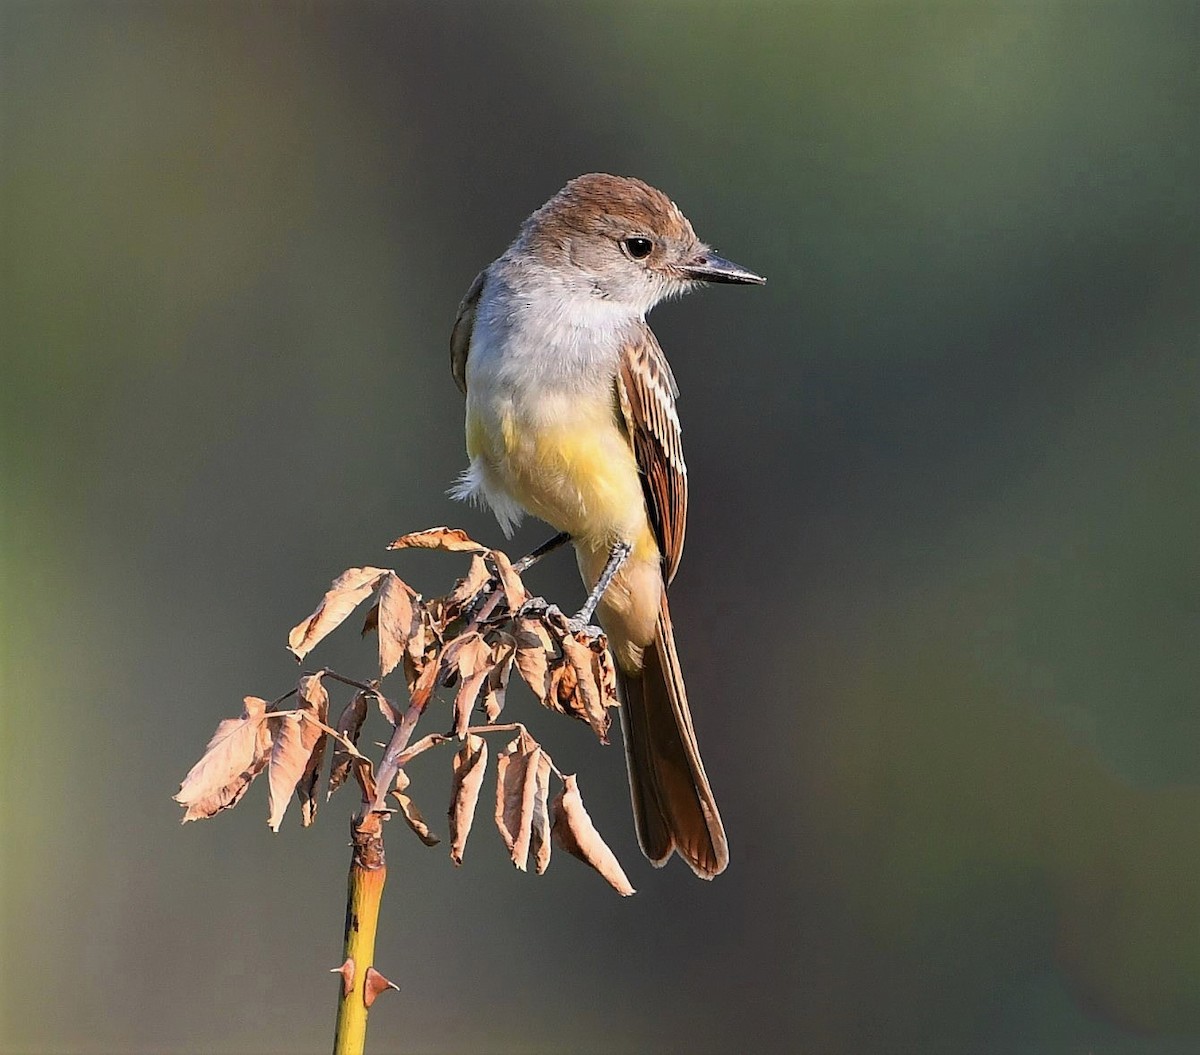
{"x": 939, "y": 603}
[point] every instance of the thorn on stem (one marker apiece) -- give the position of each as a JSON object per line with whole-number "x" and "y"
{"x": 347, "y": 973}
{"x": 374, "y": 985}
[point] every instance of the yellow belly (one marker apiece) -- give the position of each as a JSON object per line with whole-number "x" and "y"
{"x": 579, "y": 474}
{"x": 576, "y": 471}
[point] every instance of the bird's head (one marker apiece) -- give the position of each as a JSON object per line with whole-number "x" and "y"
{"x": 623, "y": 241}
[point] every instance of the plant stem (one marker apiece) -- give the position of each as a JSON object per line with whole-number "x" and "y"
{"x": 389, "y": 765}
{"x": 368, "y": 873}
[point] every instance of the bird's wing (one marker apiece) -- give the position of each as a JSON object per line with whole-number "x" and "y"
{"x": 646, "y": 393}
{"x": 460, "y": 336}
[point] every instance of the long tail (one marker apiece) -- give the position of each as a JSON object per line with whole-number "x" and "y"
{"x": 673, "y": 806}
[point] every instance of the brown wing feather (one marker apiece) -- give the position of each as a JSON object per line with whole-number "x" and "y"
{"x": 646, "y": 392}
{"x": 460, "y": 336}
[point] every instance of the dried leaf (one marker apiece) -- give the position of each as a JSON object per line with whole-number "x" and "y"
{"x": 350, "y": 721}
{"x": 535, "y": 649}
{"x": 411, "y": 813}
{"x": 539, "y": 834}
{"x": 468, "y": 587}
{"x": 364, "y": 774}
{"x": 235, "y": 755}
{"x": 389, "y": 710}
{"x": 574, "y": 832}
{"x": 414, "y": 667}
{"x": 589, "y": 696}
{"x": 470, "y": 658}
{"x": 295, "y": 744}
{"x": 438, "y": 616}
{"x": 399, "y": 621}
{"x": 564, "y": 685}
{"x": 426, "y": 681}
{"x": 289, "y": 756}
{"x": 470, "y": 765}
{"x": 580, "y": 681}
{"x": 421, "y": 637}
{"x": 315, "y": 700}
{"x": 415, "y": 820}
{"x": 370, "y": 620}
{"x": 346, "y": 592}
{"x": 444, "y": 538}
{"x": 515, "y": 593}
{"x": 468, "y": 693}
{"x": 504, "y": 650}
{"x": 606, "y": 675}
{"x": 516, "y": 794}
{"x": 349, "y": 724}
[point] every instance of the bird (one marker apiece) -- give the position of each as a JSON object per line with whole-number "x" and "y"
{"x": 571, "y": 417}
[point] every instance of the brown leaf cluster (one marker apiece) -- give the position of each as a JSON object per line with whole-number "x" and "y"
{"x": 472, "y": 637}
{"x": 526, "y": 820}
{"x": 468, "y": 640}
{"x": 569, "y": 671}
{"x": 289, "y": 744}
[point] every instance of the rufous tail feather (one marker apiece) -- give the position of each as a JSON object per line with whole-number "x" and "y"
{"x": 673, "y": 805}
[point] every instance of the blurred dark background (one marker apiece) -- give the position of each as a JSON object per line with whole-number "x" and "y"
{"x": 939, "y": 602}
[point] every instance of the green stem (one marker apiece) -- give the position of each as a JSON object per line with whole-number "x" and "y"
{"x": 368, "y": 873}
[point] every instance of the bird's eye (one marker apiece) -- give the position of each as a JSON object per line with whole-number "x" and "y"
{"x": 638, "y": 248}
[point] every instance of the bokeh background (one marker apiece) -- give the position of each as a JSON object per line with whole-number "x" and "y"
{"x": 939, "y": 603}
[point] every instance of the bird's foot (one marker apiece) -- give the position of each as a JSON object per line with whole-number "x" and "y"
{"x": 536, "y": 606}
{"x": 581, "y": 626}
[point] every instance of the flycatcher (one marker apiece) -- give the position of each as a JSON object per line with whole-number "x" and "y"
{"x": 571, "y": 417}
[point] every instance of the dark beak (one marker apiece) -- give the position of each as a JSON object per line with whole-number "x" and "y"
{"x": 708, "y": 267}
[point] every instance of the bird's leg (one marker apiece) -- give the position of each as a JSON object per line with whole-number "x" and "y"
{"x": 549, "y": 546}
{"x": 538, "y": 604}
{"x": 616, "y": 558}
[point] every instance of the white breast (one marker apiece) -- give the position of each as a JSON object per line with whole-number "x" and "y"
{"x": 544, "y": 352}
{"x": 536, "y": 333}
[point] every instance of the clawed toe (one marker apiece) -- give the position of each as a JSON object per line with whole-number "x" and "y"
{"x": 580, "y": 627}
{"x": 534, "y": 606}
